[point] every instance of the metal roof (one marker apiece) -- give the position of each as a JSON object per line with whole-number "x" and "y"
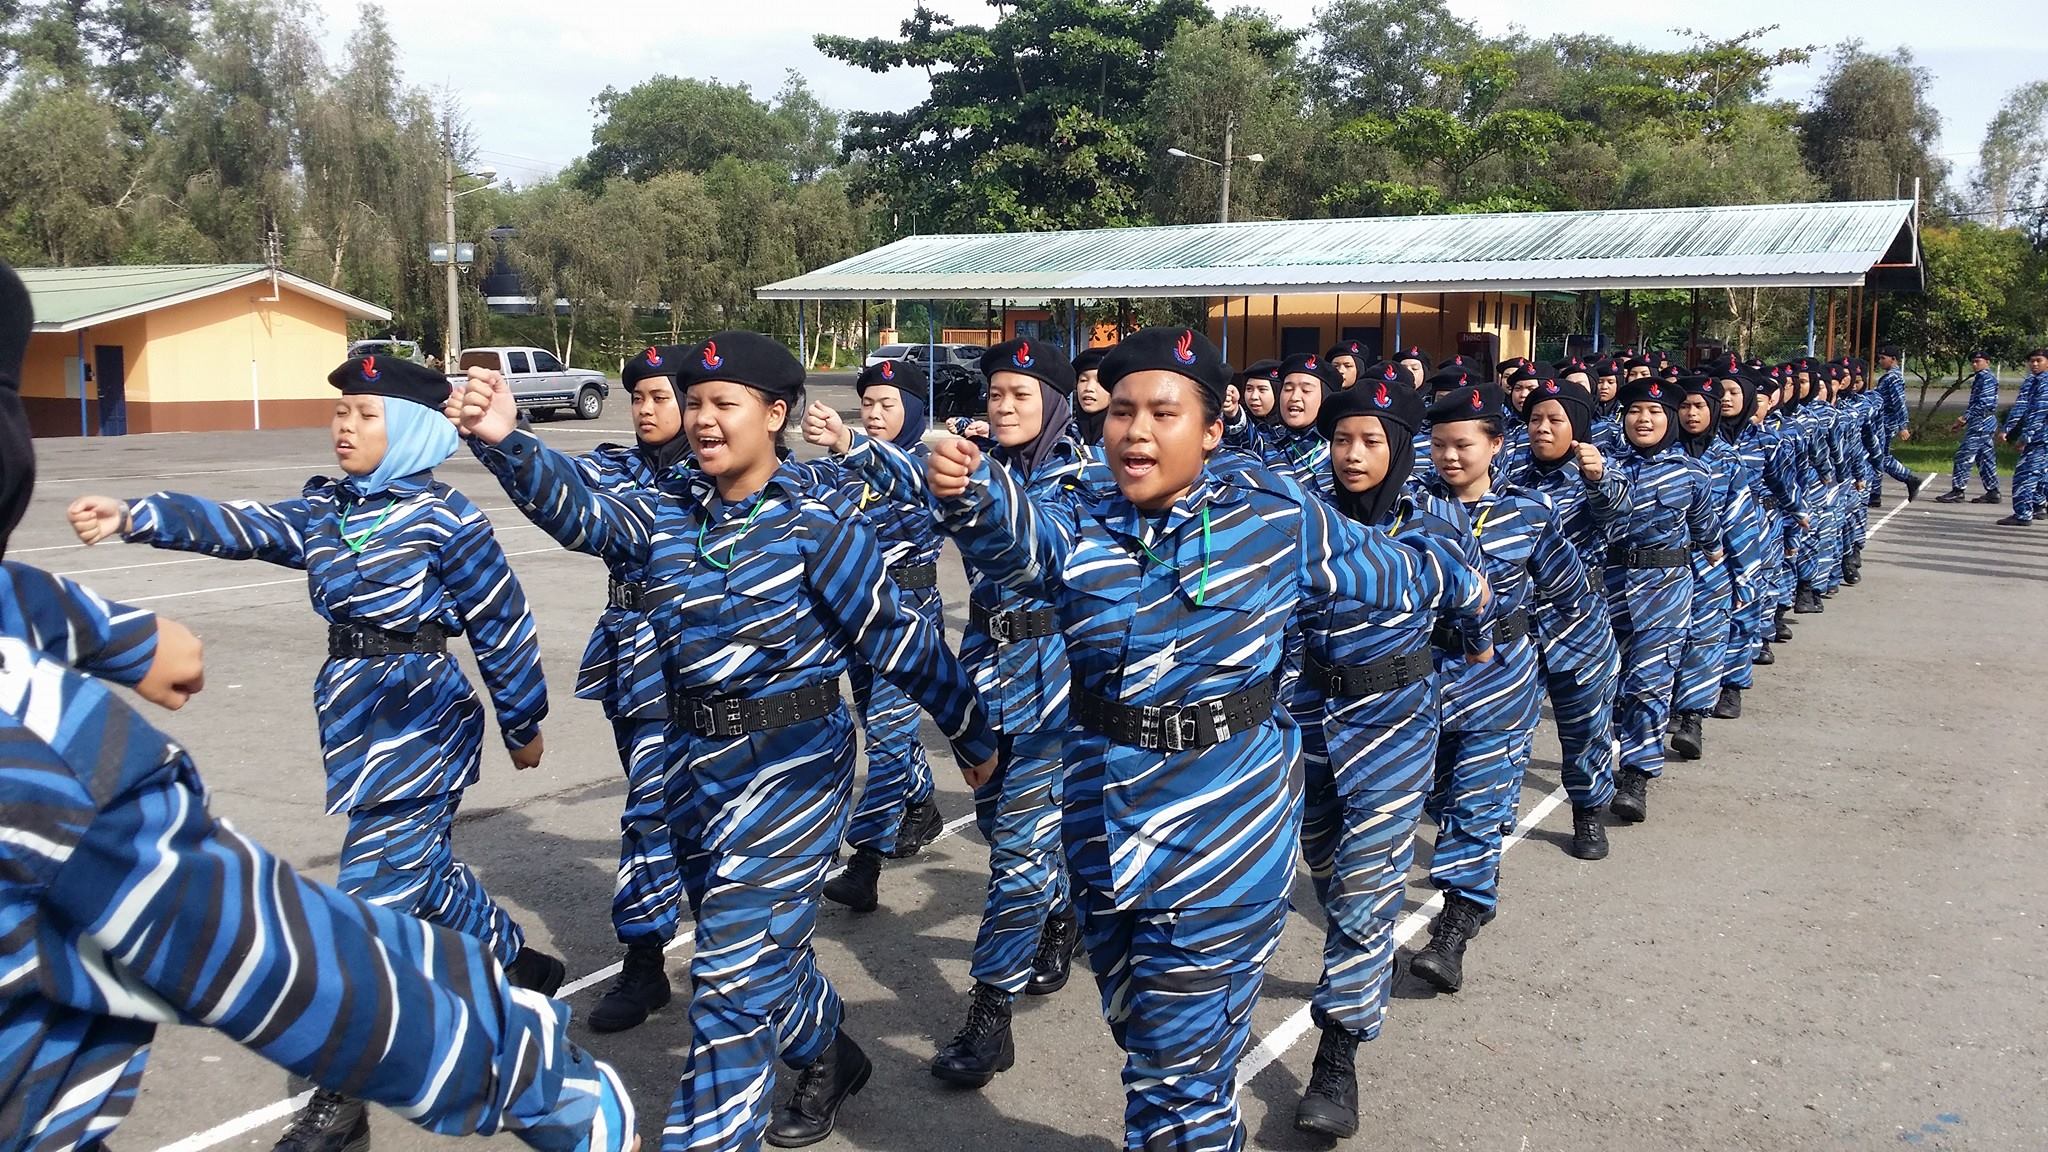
{"x": 68, "y": 299}
{"x": 1819, "y": 245}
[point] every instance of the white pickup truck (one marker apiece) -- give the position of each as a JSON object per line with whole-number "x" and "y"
{"x": 540, "y": 384}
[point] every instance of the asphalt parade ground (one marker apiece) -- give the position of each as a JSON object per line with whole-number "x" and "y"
{"x": 1829, "y": 934}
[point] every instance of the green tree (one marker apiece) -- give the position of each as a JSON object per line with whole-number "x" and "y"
{"x": 1869, "y": 131}
{"x": 1241, "y": 70}
{"x": 1978, "y": 286}
{"x": 681, "y": 124}
{"x": 1033, "y": 122}
{"x": 2012, "y": 163}
{"x": 1375, "y": 56}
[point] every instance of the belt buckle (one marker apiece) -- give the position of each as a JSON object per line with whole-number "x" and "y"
{"x": 1333, "y": 682}
{"x": 1001, "y": 628}
{"x": 1176, "y": 728}
{"x": 729, "y": 712}
{"x": 352, "y": 644}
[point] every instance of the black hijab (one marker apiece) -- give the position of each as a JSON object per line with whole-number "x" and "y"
{"x": 1399, "y": 409}
{"x": 1579, "y": 408}
{"x": 1706, "y": 388}
{"x": 1089, "y": 424}
{"x": 1058, "y": 410}
{"x": 1732, "y": 426}
{"x": 17, "y": 450}
{"x": 1649, "y": 390}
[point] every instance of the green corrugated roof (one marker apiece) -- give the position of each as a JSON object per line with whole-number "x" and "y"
{"x": 66, "y": 298}
{"x": 1792, "y": 245}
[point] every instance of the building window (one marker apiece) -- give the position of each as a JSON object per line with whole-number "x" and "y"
{"x": 1514, "y": 315}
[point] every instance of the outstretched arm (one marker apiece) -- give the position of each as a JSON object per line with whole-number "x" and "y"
{"x": 235, "y": 530}
{"x": 1000, "y": 529}
{"x": 473, "y": 568}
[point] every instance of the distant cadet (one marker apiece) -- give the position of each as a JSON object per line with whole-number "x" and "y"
{"x": 2026, "y": 429}
{"x": 1091, "y": 400}
{"x": 1892, "y": 425}
{"x": 1348, "y": 359}
{"x": 1979, "y": 426}
{"x": 1297, "y": 449}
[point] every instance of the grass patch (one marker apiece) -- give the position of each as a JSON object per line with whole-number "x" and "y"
{"x": 1937, "y": 453}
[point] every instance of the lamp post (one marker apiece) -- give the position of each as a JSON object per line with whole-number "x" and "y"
{"x": 448, "y": 341}
{"x": 1229, "y": 160}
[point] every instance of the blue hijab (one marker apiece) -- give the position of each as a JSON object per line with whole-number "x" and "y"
{"x": 416, "y": 438}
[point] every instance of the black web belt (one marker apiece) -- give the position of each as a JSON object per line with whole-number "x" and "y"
{"x": 630, "y": 595}
{"x": 725, "y": 717}
{"x": 1648, "y": 557}
{"x": 1173, "y": 729}
{"x": 1385, "y": 674}
{"x": 1506, "y": 630}
{"x": 915, "y": 577}
{"x": 360, "y": 642}
{"x": 1016, "y": 624}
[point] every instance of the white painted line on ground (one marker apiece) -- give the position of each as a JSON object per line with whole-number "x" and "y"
{"x": 1292, "y": 1029}
{"x": 271, "y": 1113}
{"x": 126, "y": 567}
{"x": 308, "y": 469}
{"x": 271, "y": 583}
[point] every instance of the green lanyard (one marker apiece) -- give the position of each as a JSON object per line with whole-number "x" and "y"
{"x": 361, "y": 540}
{"x": 1201, "y": 593}
{"x": 726, "y": 565}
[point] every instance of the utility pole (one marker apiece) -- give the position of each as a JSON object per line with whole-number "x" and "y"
{"x": 1229, "y": 132}
{"x": 450, "y": 341}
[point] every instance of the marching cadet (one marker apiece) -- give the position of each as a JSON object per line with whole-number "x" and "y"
{"x": 1347, "y": 359}
{"x": 1892, "y": 425}
{"x": 1715, "y": 602}
{"x": 118, "y": 905}
{"x": 1261, "y": 404}
{"x": 896, "y": 815}
{"x": 1174, "y": 589}
{"x": 1978, "y": 424}
{"x": 761, "y": 586}
{"x": 1490, "y": 708}
{"x": 1821, "y": 479}
{"x": 2024, "y": 428}
{"x": 397, "y": 563}
{"x": 1297, "y": 449}
{"x": 1028, "y": 935}
{"x": 1414, "y": 361}
{"x": 1090, "y": 398}
{"x": 1649, "y": 579}
{"x": 1741, "y": 404}
{"x": 1769, "y": 448}
{"x": 1579, "y": 658}
{"x": 1859, "y": 446}
{"x": 622, "y": 668}
{"x": 1366, "y": 704}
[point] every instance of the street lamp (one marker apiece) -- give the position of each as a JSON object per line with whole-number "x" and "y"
{"x": 1229, "y": 132}
{"x": 450, "y": 195}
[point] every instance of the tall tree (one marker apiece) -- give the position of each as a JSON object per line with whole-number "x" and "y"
{"x": 1033, "y": 122}
{"x": 681, "y": 124}
{"x": 2012, "y": 163}
{"x": 1375, "y": 55}
{"x": 1869, "y": 131}
{"x": 1241, "y": 71}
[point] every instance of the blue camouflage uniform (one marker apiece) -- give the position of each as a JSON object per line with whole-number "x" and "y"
{"x": 1184, "y": 857}
{"x": 1771, "y": 477}
{"x": 899, "y": 773}
{"x": 1891, "y": 419}
{"x": 1671, "y": 508}
{"x": 402, "y": 735}
{"x": 1023, "y": 683}
{"x": 1723, "y": 586}
{"x": 1490, "y": 710}
{"x": 1578, "y": 657}
{"x": 622, "y": 668}
{"x": 127, "y": 905}
{"x": 749, "y": 602}
{"x": 1368, "y": 760}
{"x": 1980, "y": 423}
{"x": 1300, "y": 454}
{"x": 1820, "y": 546}
{"x": 2027, "y": 425}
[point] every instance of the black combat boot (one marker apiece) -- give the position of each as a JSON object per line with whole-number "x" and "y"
{"x": 855, "y": 886}
{"x": 1689, "y": 741}
{"x": 1913, "y": 484}
{"x": 1952, "y": 496}
{"x": 1631, "y": 803}
{"x": 1057, "y": 943}
{"x": 2014, "y": 521}
{"x": 1782, "y": 628}
{"x": 1875, "y": 501}
{"x": 642, "y": 987}
{"x": 1987, "y": 498}
{"x": 1806, "y": 601}
{"x": 1441, "y": 963}
{"x": 807, "y": 1116}
{"x": 982, "y": 1048}
{"x": 1589, "y": 835}
{"x": 1329, "y": 1106}
{"x": 1764, "y": 656}
{"x": 330, "y": 1122}
{"x": 1729, "y": 706}
{"x": 537, "y": 970}
{"x": 921, "y": 825}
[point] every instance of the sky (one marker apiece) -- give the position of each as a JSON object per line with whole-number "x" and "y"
{"x": 526, "y": 71}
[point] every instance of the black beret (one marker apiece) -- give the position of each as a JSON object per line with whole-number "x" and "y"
{"x": 1527, "y": 371}
{"x": 1351, "y": 348}
{"x": 1635, "y": 362}
{"x": 1569, "y": 365}
{"x": 1183, "y": 351}
{"x": 1412, "y": 352}
{"x": 1510, "y": 364}
{"x": 1268, "y": 370}
{"x": 1707, "y": 388}
{"x": 1089, "y": 360}
{"x": 1650, "y": 389}
{"x": 1309, "y": 364}
{"x": 1469, "y": 402}
{"x": 1390, "y": 400}
{"x": 905, "y": 374}
{"x": 394, "y": 378}
{"x": 1891, "y": 350}
{"x": 744, "y": 358}
{"x": 1034, "y": 358}
{"x": 1460, "y": 361}
{"x": 1564, "y": 392}
{"x": 1451, "y": 378}
{"x": 1605, "y": 366}
{"x": 662, "y": 360}
{"x": 1384, "y": 370}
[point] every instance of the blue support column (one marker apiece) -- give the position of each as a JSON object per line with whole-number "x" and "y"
{"x": 800, "y": 336}
{"x": 1596, "y": 323}
{"x": 1398, "y": 344}
{"x": 931, "y": 353}
{"x": 1226, "y": 327}
{"x": 1073, "y": 323}
{"x": 1809, "y": 321}
{"x": 84, "y": 423}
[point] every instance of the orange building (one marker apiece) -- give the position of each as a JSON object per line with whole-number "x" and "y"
{"x": 182, "y": 348}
